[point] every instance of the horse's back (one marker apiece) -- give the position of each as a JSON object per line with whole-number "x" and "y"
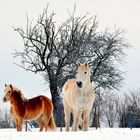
{"x": 40, "y": 100}
{"x": 38, "y": 105}
{"x": 36, "y": 101}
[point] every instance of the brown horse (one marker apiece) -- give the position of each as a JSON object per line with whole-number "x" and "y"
{"x": 79, "y": 98}
{"x": 39, "y": 108}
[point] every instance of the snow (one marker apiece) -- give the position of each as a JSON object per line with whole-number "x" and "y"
{"x": 92, "y": 134}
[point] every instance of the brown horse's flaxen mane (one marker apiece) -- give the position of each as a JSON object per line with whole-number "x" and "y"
{"x": 18, "y": 94}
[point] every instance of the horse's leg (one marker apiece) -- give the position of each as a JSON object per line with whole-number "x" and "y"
{"x": 14, "y": 119}
{"x": 19, "y": 123}
{"x": 40, "y": 123}
{"x": 67, "y": 111}
{"x": 76, "y": 119}
{"x": 86, "y": 115}
{"x": 80, "y": 124}
{"x": 16, "y": 123}
{"x": 46, "y": 121}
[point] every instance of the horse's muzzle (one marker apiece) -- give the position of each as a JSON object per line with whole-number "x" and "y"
{"x": 79, "y": 84}
{"x": 4, "y": 99}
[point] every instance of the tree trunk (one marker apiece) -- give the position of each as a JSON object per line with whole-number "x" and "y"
{"x": 58, "y": 106}
{"x": 95, "y": 120}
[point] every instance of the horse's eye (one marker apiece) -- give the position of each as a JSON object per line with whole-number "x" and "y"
{"x": 8, "y": 91}
{"x": 85, "y": 72}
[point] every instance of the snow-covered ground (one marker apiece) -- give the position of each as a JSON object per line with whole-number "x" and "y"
{"x": 92, "y": 134}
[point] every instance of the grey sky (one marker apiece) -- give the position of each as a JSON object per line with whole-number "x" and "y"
{"x": 119, "y": 13}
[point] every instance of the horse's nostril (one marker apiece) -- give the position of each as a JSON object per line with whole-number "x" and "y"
{"x": 79, "y": 84}
{"x": 4, "y": 99}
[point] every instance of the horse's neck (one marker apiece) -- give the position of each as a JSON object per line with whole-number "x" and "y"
{"x": 16, "y": 100}
{"x": 87, "y": 86}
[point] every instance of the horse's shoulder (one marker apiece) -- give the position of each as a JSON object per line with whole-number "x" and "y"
{"x": 69, "y": 83}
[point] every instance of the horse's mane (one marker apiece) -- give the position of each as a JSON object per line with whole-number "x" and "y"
{"x": 20, "y": 92}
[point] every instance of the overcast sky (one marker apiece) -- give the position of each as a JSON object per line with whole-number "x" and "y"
{"x": 123, "y": 14}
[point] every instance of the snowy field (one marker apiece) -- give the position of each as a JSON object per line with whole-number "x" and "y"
{"x": 92, "y": 134}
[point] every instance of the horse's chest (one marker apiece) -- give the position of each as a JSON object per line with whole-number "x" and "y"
{"x": 18, "y": 111}
{"x": 83, "y": 100}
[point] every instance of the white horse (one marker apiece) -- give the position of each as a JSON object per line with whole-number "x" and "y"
{"x": 78, "y": 98}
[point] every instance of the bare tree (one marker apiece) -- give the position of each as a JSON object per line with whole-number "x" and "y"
{"x": 109, "y": 111}
{"x": 6, "y": 119}
{"x": 129, "y": 110}
{"x": 53, "y": 50}
{"x": 122, "y": 111}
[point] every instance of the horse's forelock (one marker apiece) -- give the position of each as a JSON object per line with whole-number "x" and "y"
{"x": 84, "y": 67}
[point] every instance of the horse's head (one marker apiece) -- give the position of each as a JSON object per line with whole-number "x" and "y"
{"x": 83, "y": 74}
{"x": 11, "y": 91}
{"x": 7, "y": 92}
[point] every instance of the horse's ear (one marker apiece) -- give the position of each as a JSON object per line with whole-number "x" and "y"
{"x": 86, "y": 64}
{"x": 11, "y": 86}
{"x": 89, "y": 65}
{"x": 5, "y": 85}
{"x": 91, "y": 80}
{"x": 78, "y": 64}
